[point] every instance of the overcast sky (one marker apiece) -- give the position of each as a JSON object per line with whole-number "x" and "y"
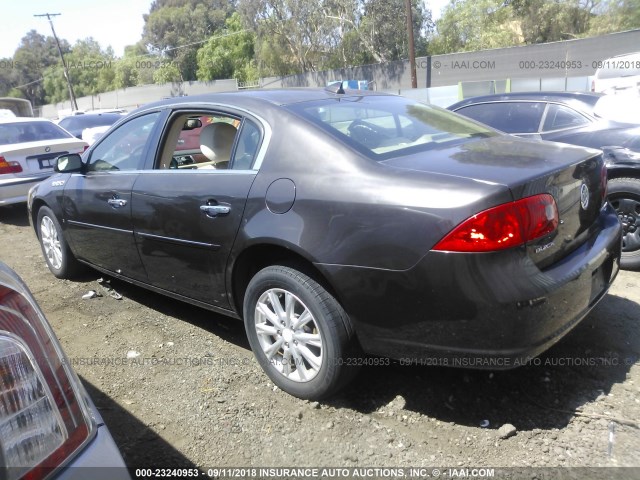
{"x": 111, "y": 22}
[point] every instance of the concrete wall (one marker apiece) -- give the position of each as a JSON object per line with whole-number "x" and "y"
{"x": 553, "y": 61}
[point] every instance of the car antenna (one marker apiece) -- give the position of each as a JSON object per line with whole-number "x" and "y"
{"x": 335, "y": 87}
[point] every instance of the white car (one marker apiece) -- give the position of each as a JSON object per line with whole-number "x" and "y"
{"x": 28, "y": 148}
{"x": 618, "y": 75}
{"x": 90, "y": 135}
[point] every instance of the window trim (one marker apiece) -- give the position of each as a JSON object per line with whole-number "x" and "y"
{"x": 226, "y": 110}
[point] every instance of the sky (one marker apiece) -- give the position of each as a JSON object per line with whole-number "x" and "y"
{"x": 117, "y": 23}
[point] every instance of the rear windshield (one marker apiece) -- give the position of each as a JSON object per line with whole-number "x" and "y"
{"x": 88, "y": 121}
{"x": 384, "y": 127}
{"x": 20, "y": 132}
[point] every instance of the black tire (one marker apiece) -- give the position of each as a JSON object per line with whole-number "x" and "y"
{"x": 624, "y": 195}
{"x": 328, "y": 325}
{"x": 55, "y": 248}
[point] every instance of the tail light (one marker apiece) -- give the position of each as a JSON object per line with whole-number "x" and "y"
{"x": 43, "y": 417}
{"x": 504, "y": 226}
{"x": 9, "y": 167}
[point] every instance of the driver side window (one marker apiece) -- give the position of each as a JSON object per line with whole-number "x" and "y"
{"x": 123, "y": 148}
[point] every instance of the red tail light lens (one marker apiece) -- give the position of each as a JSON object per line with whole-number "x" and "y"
{"x": 505, "y": 226}
{"x": 43, "y": 417}
{"x": 9, "y": 167}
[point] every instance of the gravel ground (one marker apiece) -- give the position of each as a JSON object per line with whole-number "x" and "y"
{"x": 178, "y": 386}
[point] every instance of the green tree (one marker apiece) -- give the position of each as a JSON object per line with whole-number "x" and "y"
{"x": 229, "y": 54}
{"x": 136, "y": 67}
{"x": 615, "y": 16}
{"x": 91, "y": 71}
{"x": 35, "y": 54}
{"x": 175, "y": 29}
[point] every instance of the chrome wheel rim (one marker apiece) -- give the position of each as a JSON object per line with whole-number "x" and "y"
{"x": 289, "y": 335}
{"x": 51, "y": 242}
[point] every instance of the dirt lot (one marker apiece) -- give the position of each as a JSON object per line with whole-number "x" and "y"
{"x": 178, "y": 386}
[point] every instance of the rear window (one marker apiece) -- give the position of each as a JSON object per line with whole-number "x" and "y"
{"x": 383, "y": 127}
{"x": 20, "y": 132}
{"x": 88, "y": 121}
{"x": 509, "y": 117}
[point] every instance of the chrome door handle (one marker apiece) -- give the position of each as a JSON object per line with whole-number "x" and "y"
{"x": 215, "y": 210}
{"x": 117, "y": 202}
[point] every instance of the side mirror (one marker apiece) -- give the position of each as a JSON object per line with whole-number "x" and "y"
{"x": 69, "y": 163}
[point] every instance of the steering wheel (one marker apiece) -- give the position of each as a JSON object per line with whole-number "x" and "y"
{"x": 365, "y": 134}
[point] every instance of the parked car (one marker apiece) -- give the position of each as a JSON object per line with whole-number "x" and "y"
{"x": 28, "y": 147}
{"x": 334, "y": 222}
{"x": 50, "y": 427}
{"x": 76, "y": 124}
{"x": 618, "y": 75}
{"x": 573, "y": 118}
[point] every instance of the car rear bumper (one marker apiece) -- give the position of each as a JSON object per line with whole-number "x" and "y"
{"x": 488, "y": 310}
{"x": 100, "y": 459}
{"x": 14, "y": 189}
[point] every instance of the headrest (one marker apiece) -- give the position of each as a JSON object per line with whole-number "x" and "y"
{"x": 216, "y": 140}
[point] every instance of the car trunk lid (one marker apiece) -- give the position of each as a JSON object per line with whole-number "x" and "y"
{"x": 39, "y": 156}
{"x": 575, "y": 177}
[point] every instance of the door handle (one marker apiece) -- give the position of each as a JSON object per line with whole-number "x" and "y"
{"x": 215, "y": 210}
{"x": 117, "y": 202}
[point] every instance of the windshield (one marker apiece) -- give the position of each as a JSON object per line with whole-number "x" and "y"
{"x": 21, "y": 132}
{"x": 383, "y": 127}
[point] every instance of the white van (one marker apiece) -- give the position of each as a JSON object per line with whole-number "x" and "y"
{"x": 619, "y": 74}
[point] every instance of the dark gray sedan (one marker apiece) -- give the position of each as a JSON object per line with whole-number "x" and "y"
{"x": 336, "y": 224}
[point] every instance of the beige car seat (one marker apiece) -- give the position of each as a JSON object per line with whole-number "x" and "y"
{"x": 216, "y": 142}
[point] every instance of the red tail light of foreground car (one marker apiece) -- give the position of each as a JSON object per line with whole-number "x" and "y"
{"x": 43, "y": 417}
{"x": 504, "y": 226}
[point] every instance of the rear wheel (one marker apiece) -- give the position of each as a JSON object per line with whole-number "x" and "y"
{"x": 55, "y": 249}
{"x": 299, "y": 333}
{"x": 624, "y": 195}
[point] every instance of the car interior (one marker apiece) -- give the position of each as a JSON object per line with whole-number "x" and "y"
{"x": 209, "y": 142}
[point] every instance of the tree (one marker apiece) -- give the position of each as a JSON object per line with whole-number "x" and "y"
{"x": 309, "y": 35}
{"x": 468, "y": 25}
{"x": 615, "y": 16}
{"x": 31, "y": 59}
{"x": 175, "y": 29}
{"x": 136, "y": 67}
{"x": 90, "y": 70}
{"x": 229, "y": 54}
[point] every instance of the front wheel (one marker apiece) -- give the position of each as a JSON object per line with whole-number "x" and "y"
{"x": 299, "y": 333}
{"x": 624, "y": 195}
{"x": 55, "y": 249}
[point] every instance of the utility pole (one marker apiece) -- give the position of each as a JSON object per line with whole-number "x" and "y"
{"x": 412, "y": 45}
{"x": 72, "y": 97}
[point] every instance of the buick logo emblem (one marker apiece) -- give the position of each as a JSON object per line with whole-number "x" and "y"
{"x": 47, "y": 149}
{"x": 584, "y": 196}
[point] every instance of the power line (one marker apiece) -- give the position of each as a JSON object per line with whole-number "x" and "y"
{"x": 72, "y": 96}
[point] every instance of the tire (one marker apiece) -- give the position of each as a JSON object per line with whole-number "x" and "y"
{"x": 55, "y": 249}
{"x": 624, "y": 195}
{"x": 312, "y": 360}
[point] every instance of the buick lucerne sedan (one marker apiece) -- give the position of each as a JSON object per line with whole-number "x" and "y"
{"x": 340, "y": 224}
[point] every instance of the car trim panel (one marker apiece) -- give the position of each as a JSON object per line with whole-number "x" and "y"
{"x": 100, "y": 227}
{"x": 179, "y": 241}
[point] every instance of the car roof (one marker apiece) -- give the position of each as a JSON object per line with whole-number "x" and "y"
{"x": 23, "y": 119}
{"x": 587, "y": 99}
{"x": 276, "y": 97}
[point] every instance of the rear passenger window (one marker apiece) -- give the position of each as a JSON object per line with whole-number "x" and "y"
{"x": 510, "y": 117}
{"x": 247, "y": 149}
{"x": 559, "y": 117}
